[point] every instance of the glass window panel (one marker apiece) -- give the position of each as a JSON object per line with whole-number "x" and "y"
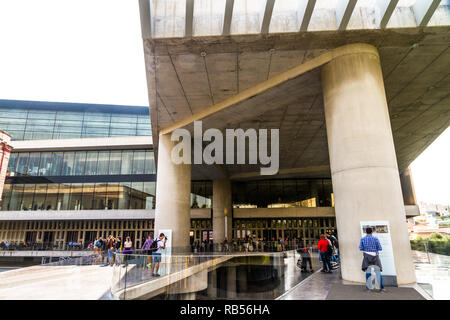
{"x": 37, "y": 135}
{"x": 45, "y": 164}
{"x": 115, "y": 160}
{"x": 100, "y": 195}
{"x": 41, "y": 114}
{"x": 137, "y": 200}
{"x": 22, "y": 163}
{"x": 57, "y": 163}
{"x": 63, "y": 115}
{"x": 6, "y": 197}
{"x": 76, "y": 191}
{"x": 149, "y": 194}
{"x": 130, "y": 119}
{"x": 68, "y": 164}
{"x": 28, "y": 195}
{"x": 87, "y": 201}
{"x": 16, "y": 197}
{"x": 124, "y": 195}
{"x": 39, "y": 196}
{"x": 247, "y": 16}
{"x": 124, "y": 125}
{"x": 123, "y": 132}
{"x": 144, "y": 132}
{"x": 93, "y": 116}
{"x": 33, "y": 164}
{"x": 149, "y": 162}
{"x": 80, "y": 163}
{"x": 112, "y": 196}
{"x": 13, "y": 157}
{"x": 64, "y": 197}
{"x": 127, "y": 160}
{"x": 138, "y": 162}
{"x": 103, "y": 163}
{"x": 52, "y": 197}
{"x": 16, "y": 134}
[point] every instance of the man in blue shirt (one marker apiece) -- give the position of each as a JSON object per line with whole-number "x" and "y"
{"x": 370, "y": 246}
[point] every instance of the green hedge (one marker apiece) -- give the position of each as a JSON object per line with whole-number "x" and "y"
{"x": 436, "y": 244}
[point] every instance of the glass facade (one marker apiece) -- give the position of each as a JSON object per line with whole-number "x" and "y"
{"x": 266, "y": 229}
{"x": 29, "y": 120}
{"x": 79, "y": 196}
{"x": 283, "y": 193}
{"x": 79, "y": 163}
{"x": 201, "y": 194}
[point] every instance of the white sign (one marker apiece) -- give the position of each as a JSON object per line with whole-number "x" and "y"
{"x": 382, "y": 231}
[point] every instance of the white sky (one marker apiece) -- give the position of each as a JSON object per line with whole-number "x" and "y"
{"x": 91, "y": 51}
{"x": 72, "y": 50}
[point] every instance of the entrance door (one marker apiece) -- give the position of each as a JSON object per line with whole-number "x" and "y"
{"x": 49, "y": 237}
{"x": 30, "y": 237}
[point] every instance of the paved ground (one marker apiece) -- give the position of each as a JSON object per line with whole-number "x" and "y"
{"x": 56, "y": 283}
{"x": 339, "y": 291}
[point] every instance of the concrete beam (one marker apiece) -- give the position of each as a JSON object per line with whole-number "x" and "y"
{"x": 111, "y": 143}
{"x": 424, "y": 10}
{"x": 227, "y": 17}
{"x": 144, "y": 11}
{"x": 267, "y": 16}
{"x": 387, "y": 7}
{"x": 305, "y": 12}
{"x": 189, "y": 18}
{"x": 270, "y": 83}
{"x": 344, "y": 11}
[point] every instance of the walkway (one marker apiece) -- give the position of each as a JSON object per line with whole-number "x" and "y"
{"x": 325, "y": 286}
{"x": 60, "y": 283}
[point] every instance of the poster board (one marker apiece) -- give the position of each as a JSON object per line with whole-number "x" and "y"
{"x": 382, "y": 231}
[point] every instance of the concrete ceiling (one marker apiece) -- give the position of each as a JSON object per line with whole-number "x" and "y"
{"x": 187, "y": 75}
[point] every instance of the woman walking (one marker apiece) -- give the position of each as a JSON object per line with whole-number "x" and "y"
{"x": 127, "y": 250}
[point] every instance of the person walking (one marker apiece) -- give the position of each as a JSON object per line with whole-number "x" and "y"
{"x": 323, "y": 250}
{"x": 370, "y": 246}
{"x": 146, "y": 248}
{"x": 156, "y": 256}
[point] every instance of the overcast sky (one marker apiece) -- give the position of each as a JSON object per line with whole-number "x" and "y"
{"x": 91, "y": 51}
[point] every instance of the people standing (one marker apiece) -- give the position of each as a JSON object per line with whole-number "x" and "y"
{"x": 117, "y": 248}
{"x": 156, "y": 256}
{"x": 110, "y": 248}
{"x": 127, "y": 249}
{"x": 370, "y": 246}
{"x": 323, "y": 250}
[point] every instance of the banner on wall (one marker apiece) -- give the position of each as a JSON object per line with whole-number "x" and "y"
{"x": 382, "y": 231}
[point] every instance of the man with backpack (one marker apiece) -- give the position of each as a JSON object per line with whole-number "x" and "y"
{"x": 156, "y": 248}
{"x": 370, "y": 246}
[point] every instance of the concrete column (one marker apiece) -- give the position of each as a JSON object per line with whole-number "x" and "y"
{"x": 363, "y": 163}
{"x": 221, "y": 201}
{"x": 173, "y": 189}
{"x": 409, "y": 194}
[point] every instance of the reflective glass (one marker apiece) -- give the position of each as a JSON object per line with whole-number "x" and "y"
{"x": 127, "y": 159}
{"x": 46, "y": 163}
{"x": 80, "y": 163}
{"x": 68, "y": 164}
{"x": 33, "y": 164}
{"x": 100, "y": 195}
{"x": 91, "y": 163}
{"x": 22, "y": 163}
{"x": 39, "y": 196}
{"x": 51, "y": 200}
{"x": 149, "y": 162}
{"x": 88, "y": 196}
{"x": 115, "y": 161}
{"x": 28, "y": 195}
{"x": 138, "y": 162}
{"x": 16, "y": 197}
{"x": 112, "y": 198}
{"x": 57, "y": 163}
{"x": 6, "y": 197}
{"x": 124, "y": 195}
{"x": 76, "y": 191}
{"x": 103, "y": 163}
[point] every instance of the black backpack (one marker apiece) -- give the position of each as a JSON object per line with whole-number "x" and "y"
{"x": 154, "y": 246}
